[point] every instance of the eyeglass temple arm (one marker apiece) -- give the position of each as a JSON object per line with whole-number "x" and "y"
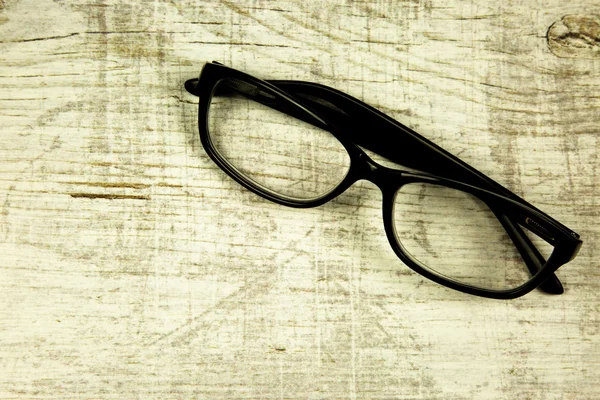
{"x": 355, "y": 121}
{"x": 530, "y": 254}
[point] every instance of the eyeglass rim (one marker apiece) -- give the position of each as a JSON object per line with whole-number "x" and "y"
{"x": 263, "y": 190}
{"x": 565, "y": 248}
{"x": 561, "y": 253}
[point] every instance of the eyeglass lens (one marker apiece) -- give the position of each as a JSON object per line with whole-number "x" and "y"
{"x": 282, "y": 154}
{"x": 454, "y": 234}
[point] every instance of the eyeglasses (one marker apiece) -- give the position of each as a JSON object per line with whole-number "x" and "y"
{"x": 301, "y": 144}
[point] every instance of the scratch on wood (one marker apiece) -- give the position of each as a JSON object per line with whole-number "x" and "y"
{"x": 108, "y": 196}
{"x": 41, "y": 38}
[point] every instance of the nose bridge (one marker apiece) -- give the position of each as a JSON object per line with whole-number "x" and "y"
{"x": 374, "y": 173}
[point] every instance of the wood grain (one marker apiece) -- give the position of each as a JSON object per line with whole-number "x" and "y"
{"x": 132, "y": 267}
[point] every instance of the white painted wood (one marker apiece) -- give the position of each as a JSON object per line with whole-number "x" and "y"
{"x": 132, "y": 267}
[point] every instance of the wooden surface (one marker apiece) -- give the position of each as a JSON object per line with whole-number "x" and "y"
{"x": 132, "y": 267}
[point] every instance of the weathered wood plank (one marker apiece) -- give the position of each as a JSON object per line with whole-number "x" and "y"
{"x": 133, "y": 267}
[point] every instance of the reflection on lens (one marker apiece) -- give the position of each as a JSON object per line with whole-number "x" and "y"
{"x": 284, "y": 155}
{"x": 456, "y": 235}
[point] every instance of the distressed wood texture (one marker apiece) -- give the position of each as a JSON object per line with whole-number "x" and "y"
{"x": 132, "y": 267}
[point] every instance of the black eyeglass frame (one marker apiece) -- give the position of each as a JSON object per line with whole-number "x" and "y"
{"x": 355, "y": 124}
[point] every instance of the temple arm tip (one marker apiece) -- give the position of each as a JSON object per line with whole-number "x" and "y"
{"x": 191, "y": 85}
{"x": 552, "y": 285}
